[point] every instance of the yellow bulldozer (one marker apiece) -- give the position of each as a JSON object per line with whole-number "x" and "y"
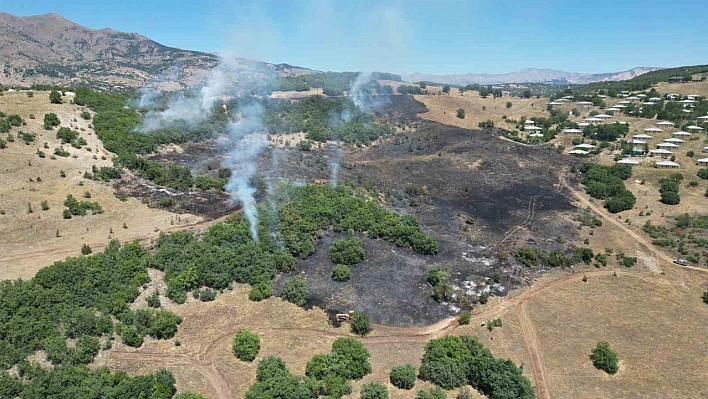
{"x": 344, "y": 316}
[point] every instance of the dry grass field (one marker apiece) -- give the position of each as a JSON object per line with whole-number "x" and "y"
{"x": 35, "y": 233}
{"x": 443, "y": 108}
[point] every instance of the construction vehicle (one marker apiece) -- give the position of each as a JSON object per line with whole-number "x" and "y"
{"x": 344, "y": 316}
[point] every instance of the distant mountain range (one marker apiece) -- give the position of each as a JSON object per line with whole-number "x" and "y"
{"x": 50, "y": 49}
{"x": 529, "y": 75}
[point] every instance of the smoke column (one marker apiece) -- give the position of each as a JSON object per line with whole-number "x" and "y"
{"x": 242, "y": 161}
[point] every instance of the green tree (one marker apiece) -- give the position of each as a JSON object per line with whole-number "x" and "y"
{"x": 341, "y": 273}
{"x": 509, "y": 104}
{"x": 670, "y": 198}
{"x": 461, "y": 113}
{"x": 347, "y": 251}
{"x": 295, "y": 291}
{"x": 189, "y": 395}
{"x": 360, "y": 323}
{"x": 465, "y": 317}
{"x": 446, "y": 89}
{"x": 55, "y": 97}
{"x": 403, "y": 377}
{"x": 51, "y": 120}
{"x": 373, "y": 390}
{"x": 245, "y": 345}
{"x": 86, "y": 249}
{"x": 604, "y": 358}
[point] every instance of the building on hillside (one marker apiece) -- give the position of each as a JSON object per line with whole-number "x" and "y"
{"x": 572, "y": 131}
{"x": 642, "y": 136}
{"x": 661, "y": 152}
{"x": 676, "y": 79}
{"x": 665, "y": 123}
{"x": 585, "y": 146}
{"x": 694, "y": 127}
{"x": 681, "y": 133}
{"x": 674, "y": 140}
{"x": 578, "y": 152}
{"x": 667, "y": 145}
{"x": 666, "y": 164}
{"x": 627, "y": 161}
{"x": 702, "y": 161}
{"x": 705, "y": 149}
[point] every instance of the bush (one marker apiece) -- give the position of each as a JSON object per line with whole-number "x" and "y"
{"x": 403, "y": 377}
{"x": 153, "y": 300}
{"x": 348, "y": 360}
{"x": 461, "y": 113}
{"x": 670, "y": 198}
{"x": 432, "y": 393}
{"x": 85, "y": 115}
{"x": 245, "y": 345}
{"x": 528, "y": 256}
{"x": 703, "y": 173}
{"x": 374, "y": 390}
{"x": 465, "y": 317}
{"x": 347, "y": 251}
{"x": 295, "y": 291}
{"x": 439, "y": 278}
{"x": 604, "y": 358}
{"x": 341, "y": 273}
{"x": 207, "y": 295}
{"x": 51, "y": 121}
{"x": 85, "y": 249}
{"x": 55, "y": 97}
{"x": 360, "y": 324}
{"x": 509, "y": 104}
{"x": 260, "y": 291}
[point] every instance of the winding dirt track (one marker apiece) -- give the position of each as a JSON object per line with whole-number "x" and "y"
{"x": 529, "y": 219}
{"x": 635, "y": 236}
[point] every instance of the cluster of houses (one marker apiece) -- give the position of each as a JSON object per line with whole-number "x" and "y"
{"x": 640, "y": 142}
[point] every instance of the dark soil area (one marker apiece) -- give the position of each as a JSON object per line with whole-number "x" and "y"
{"x": 468, "y": 188}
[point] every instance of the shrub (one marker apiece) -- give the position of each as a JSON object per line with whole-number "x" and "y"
{"x": 670, "y": 198}
{"x": 461, "y": 113}
{"x": 51, "y": 121}
{"x": 295, "y": 291}
{"x": 509, "y": 104}
{"x": 341, "y": 273}
{"x": 85, "y": 115}
{"x": 528, "y": 256}
{"x": 245, "y": 345}
{"x": 347, "y": 251}
{"x": 432, "y": 393}
{"x": 403, "y": 377}
{"x": 584, "y": 254}
{"x": 55, "y": 97}
{"x": 85, "y": 249}
{"x": 260, "y": 291}
{"x": 439, "y": 278}
{"x": 374, "y": 390}
{"x": 465, "y": 317}
{"x": 604, "y": 358}
{"x": 705, "y": 297}
{"x": 360, "y": 324}
{"x": 153, "y": 300}
{"x": 703, "y": 173}
{"x": 207, "y": 295}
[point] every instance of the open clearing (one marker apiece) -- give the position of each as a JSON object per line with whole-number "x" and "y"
{"x": 28, "y": 241}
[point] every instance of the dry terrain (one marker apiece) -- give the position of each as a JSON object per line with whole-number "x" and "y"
{"x": 28, "y": 241}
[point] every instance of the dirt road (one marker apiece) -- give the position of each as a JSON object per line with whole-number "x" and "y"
{"x": 600, "y": 211}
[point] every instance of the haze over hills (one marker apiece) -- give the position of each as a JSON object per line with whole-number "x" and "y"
{"x": 51, "y": 49}
{"x": 529, "y": 75}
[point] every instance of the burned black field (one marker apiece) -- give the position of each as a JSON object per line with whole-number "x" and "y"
{"x": 468, "y": 189}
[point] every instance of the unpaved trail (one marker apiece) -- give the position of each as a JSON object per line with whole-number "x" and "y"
{"x": 201, "y": 360}
{"x": 529, "y": 218}
{"x": 212, "y": 374}
{"x": 635, "y": 236}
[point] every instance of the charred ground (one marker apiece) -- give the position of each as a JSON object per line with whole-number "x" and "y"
{"x": 467, "y": 188}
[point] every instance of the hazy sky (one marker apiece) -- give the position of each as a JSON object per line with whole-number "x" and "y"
{"x": 441, "y": 36}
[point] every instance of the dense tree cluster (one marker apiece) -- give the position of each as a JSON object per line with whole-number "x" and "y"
{"x": 373, "y": 390}
{"x": 274, "y": 381}
{"x": 9, "y": 121}
{"x": 225, "y": 253}
{"x": 669, "y": 191}
{"x": 349, "y": 360}
{"x": 360, "y": 323}
{"x": 607, "y": 182}
{"x": 51, "y": 120}
{"x": 347, "y": 251}
{"x": 606, "y": 132}
{"x": 77, "y": 298}
{"x": 323, "y": 119}
{"x": 454, "y": 361}
{"x": 331, "y": 83}
{"x": 75, "y": 207}
{"x": 81, "y": 382}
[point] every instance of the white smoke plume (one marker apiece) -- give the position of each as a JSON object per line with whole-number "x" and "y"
{"x": 242, "y": 160}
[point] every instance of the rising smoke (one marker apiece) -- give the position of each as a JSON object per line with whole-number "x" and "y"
{"x": 242, "y": 160}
